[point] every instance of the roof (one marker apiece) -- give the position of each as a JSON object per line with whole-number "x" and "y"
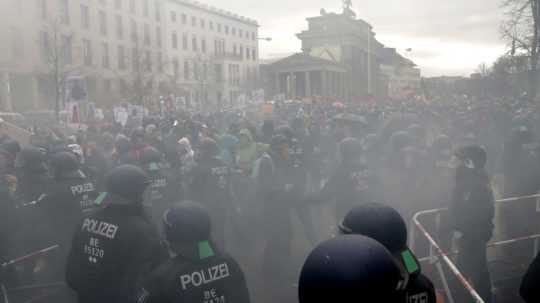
{"x": 217, "y": 11}
{"x": 305, "y": 61}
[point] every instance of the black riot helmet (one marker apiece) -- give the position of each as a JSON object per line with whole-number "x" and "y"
{"x": 187, "y": 222}
{"x": 31, "y": 158}
{"x": 64, "y": 163}
{"x": 350, "y": 150}
{"x": 473, "y": 156}
{"x": 128, "y": 182}
{"x": 377, "y": 221}
{"x": 349, "y": 267}
{"x": 385, "y": 225}
{"x": 11, "y": 146}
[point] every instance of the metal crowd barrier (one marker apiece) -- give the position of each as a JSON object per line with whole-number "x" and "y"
{"x": 3, "y": 266}
{"x": 436, "y": 253}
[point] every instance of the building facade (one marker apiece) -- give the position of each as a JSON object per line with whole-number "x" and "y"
{"x": 400, "y": 75}
{"x": 125, "y": 50}
{"x": 212, "y": 54}
{"x": 349, "y": 41}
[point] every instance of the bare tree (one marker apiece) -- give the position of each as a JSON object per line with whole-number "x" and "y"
{"x": 142, "y": 73}
{"x": 57, "y": 55}
{"x": 521, "y": 30}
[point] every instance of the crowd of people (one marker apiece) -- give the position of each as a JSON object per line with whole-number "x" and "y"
{"x": 225, "y": 207}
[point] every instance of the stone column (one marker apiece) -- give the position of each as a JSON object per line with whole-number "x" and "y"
{"x": 324, "y": 91}
{"x": 34, "y": 86}
{"x": 6, "y": 92}
{"x": 292, "y": 85}
{"x": 307, "y": 79}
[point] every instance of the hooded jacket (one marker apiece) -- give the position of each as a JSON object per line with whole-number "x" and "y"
{"x": 472, "y": 208}
{"x": 246, "y": 152}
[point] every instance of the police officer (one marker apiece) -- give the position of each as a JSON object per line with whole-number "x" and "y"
{"x": 161, "y": 191}
{"x": 471, "y": 214}
{"x": 352, "y": 183}
{"x": 199, "y": 272}
{"x": 350, "y": 268}
{"x": 210, "y": 186}
{"x": 116, "y": 246}
{"x": 385, "y": 224}
{"x": 63, "y": 203}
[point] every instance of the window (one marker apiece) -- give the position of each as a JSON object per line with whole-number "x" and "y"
{"x": 203, "y": 24}
{"x": 253, "y": 36}
{"x": 193, "y": 21}
{"x": 45, "y": 46}
{"x": 186, "y": 70}
{"x": 203, "y": 45}
{"x": 205, "y": 71}
{"x": 64, "y": 11}
{"x": 173, "y": 16}
{"x": 184, "y": 19}
{"x": 17, "y": 47}
{"x": 174, "y": 40}
{"x": 133, "y": 30}
{"x": 158, "y": 37}
{"x": 218, "y": 71}
{"x": 247, "y": 53}
{"x": 107, "y": 85}
{"x": 67, "y": 49}
{"x": 85, "y": 18}
{"x": 159, "y": 62}
{"x": 211, "y": 25}
{"x": 247, "y": 35}
{"x": 103, "y": 23}
{"x": 42, "y": 8}
{"x": 146, "y": 34}
{"x": 157, "y": 8}
{"x": 135, "y": 59}
{"x": 119, "y": 27}
{"x": 121, "y": 57}
{"x": 132, "y": 7}
{"x": 196, "y": 70}
{"x": 176, "y": 68}
{"x": 234, "y": 31}
{"x": 146, "y": 8}
{"x": 87, "y": 52}
{"x": 241, "y": 52}
{"x": 254, "y": 54}
{"x": 184, "y": 42}
{"x": 105, "y": 62}
{"x": 234, "y": 49}
{"x": 240, "y": 33}
{"x": 147, "y": 61}
{"x": 118, "y": 4}
{"x": 219, "y": 27}
{"x": 122, "y": 86}
{"x": 226, "y": 29}
{"x": 194, "y": 43}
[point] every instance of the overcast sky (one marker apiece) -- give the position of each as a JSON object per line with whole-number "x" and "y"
{"x": 447, "y": 37}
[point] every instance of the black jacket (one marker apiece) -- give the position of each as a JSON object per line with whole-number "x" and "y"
{"x": 112, "y": 250}
{"x": 161, "y": 193}
{"x": 210, "y": 185}
{"x": 472, "y": 207}
{"x": 63, "y": 205}
{"x": 420, "y": 289}
{"x": 529, "y": 290}
{"x": 214, "y": 279}
{"x": 350, "y": 186}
